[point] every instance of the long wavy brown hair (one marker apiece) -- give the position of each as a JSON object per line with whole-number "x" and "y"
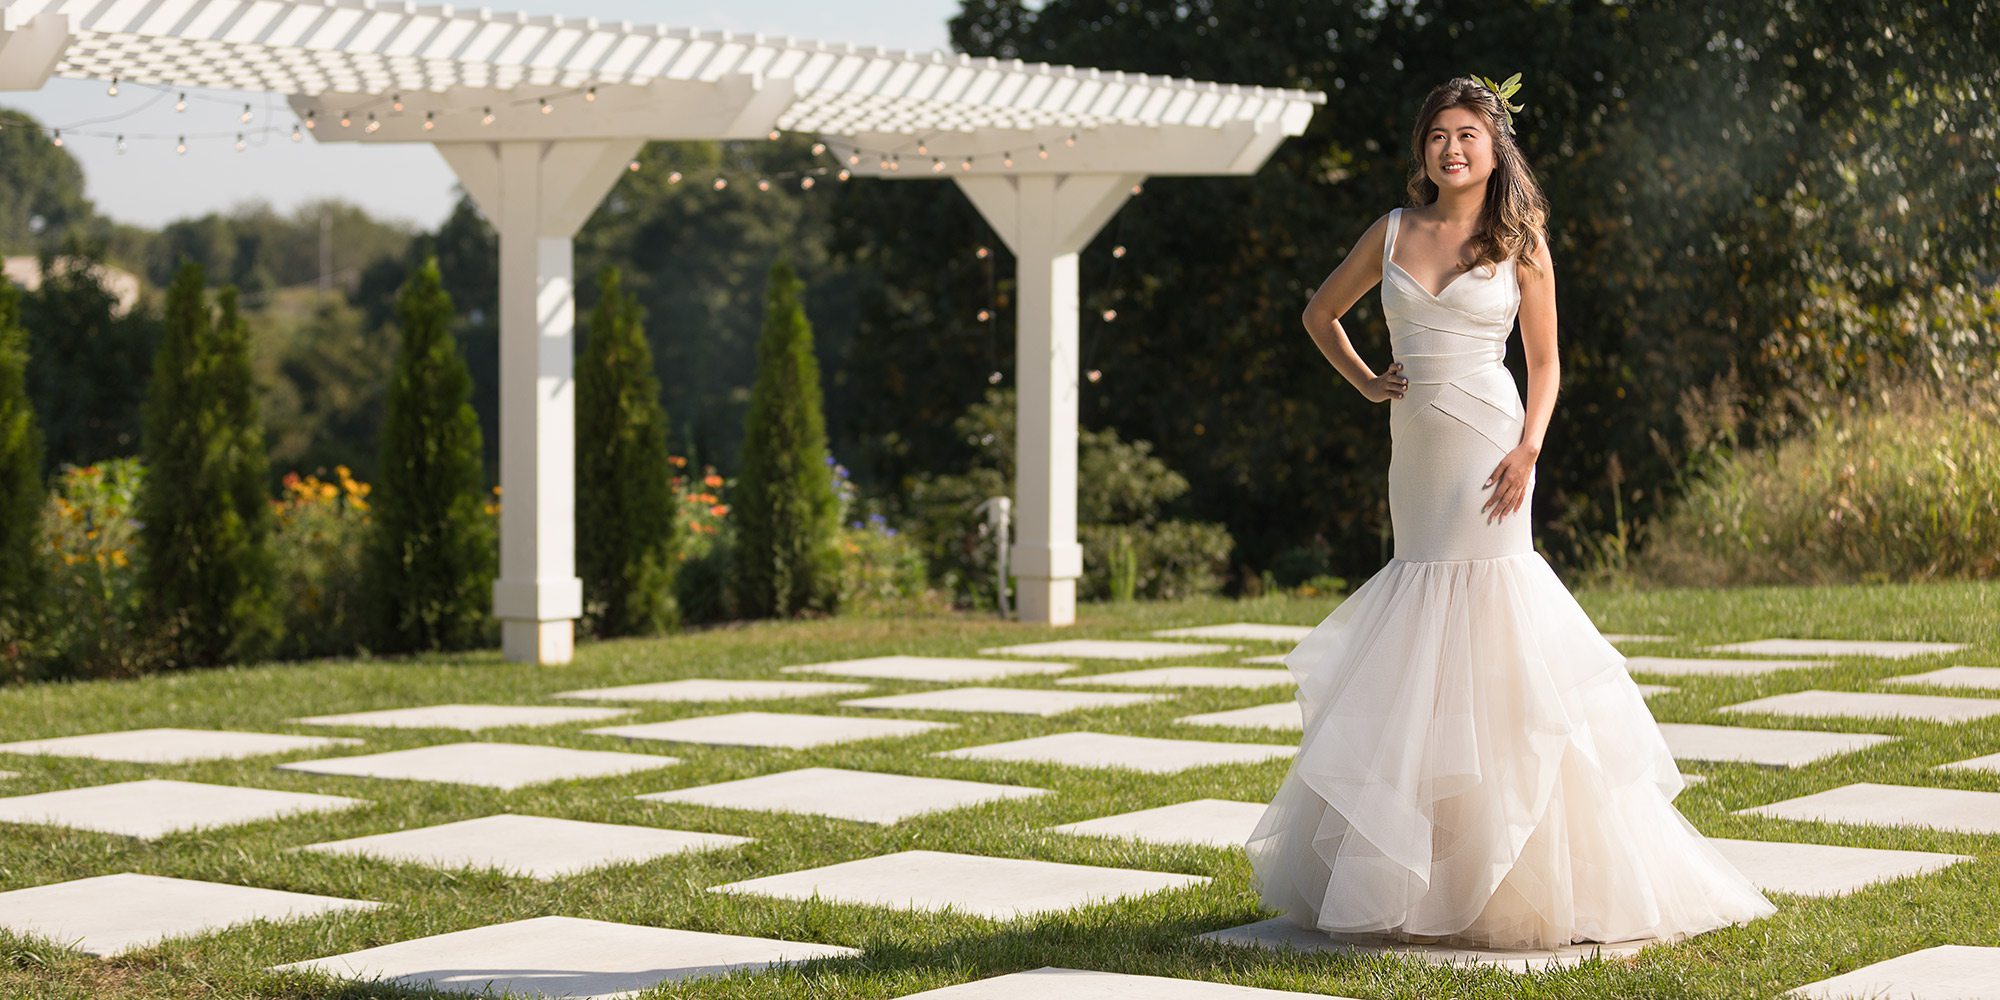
{"x": 1516, "y": 212}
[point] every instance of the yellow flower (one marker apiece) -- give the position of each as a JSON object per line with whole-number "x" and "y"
{"x": 91, "y": 535}
{"x": 118, "y": 557}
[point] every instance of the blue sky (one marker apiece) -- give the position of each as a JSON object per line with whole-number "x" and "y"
{"x": 149, "y": 184}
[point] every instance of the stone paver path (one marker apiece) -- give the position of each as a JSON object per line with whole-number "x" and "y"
{"x": 1946, "y": 972}
{"x": 1202, "y": 822}
{"x": 173, "y": 746}
{"x": 491, "y": 765}
{"x": 1769, "y": 747}
{"x": 1249, "y": 631}
{"x": 156, "y": 808}
{"x": 1838, "y": 647}
{"x": 112, "y": 914}
{"x": 1142, "y": 753}
{"x": 1868, "y": 803}
{"x": 1871, "y": 705}
{"x": 1191, "y": 677}
{"x": 1006, "y": 701}
{"x": 467, "y": 717}
{"x": 863, "y": 796}
{"x": 771, "y": 729}
{"x": 715, "y": 689}
{"x": 1075, "y": 984}
{"x": 1110, "y": 649}
{"x": 537, "y": 847}
{"x": 1001, "y": 888}
{"x": 936, "y": 669}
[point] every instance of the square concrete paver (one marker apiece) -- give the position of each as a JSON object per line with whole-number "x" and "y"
{"x": 1990, "y": 762}
{"x": 1946, "y": 972}
{"x": 1770, "y": 747}
{"x": 538, "y": 847}
{"x": 1251, "y": 631}
{"x": 468, "y": 717}
{"x": 173, "y": 746}
{"x": 1634, "y": 637}
{"x": 492, "y": 765}
{"x": 1871, "y": 705}
{"x": 1008, "y": 701}
{"x": 1976, "y": 678}
{"x": 565, "y": 957}
{"x": 863, "y": 796}
{"x": 1202, "y": 822}
{"x": 1281, "y": 933}
{"x": 1077, "y": 984}
{"x": 936, "y": 669}
{"x": 1649, "y": 690}
{"x": 1000, "y": 888}
{"x": 1191, "y": 677}
{"x": 1278, "y": 715}
{"x": 715, "y": 689}
{"x": 771, "y": 729}
{"x": 1110, "y": 649}
{"x": 1868, "y": 803}
{"x": 113, "y": 914}
{"x": 155, "y": 808}
{"x": 1675, "y": 666}
{"x": 1825, "y": 869}
{"x": 1140, "y": 753}
{"x": 1839, "y": 647}
{"x": 1266, "y": 658}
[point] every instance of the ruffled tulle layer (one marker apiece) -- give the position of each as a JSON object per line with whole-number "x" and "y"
{"x": 1478, "y": 767}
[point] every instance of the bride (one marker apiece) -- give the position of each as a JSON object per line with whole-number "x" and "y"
{"x": 1477, "y": 767}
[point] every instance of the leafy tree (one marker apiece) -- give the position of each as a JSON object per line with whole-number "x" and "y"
{"x": 22, "y": 572}
{"x": 206, "y": 569}
{"x": 786, "y": 512}
{"x": 41, "y": 189}
{"x": 88, "y": 381}
{"x": 626, "y": 516}
{"x": 431, "y": 557}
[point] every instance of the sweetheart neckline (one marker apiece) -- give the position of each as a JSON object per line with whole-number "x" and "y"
{"x": 1389, "y": 258}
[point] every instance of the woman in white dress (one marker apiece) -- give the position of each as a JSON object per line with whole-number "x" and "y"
{"x": 1477, "y": 766}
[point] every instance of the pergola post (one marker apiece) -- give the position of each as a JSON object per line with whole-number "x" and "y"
{"x": 1046, "y": 220}
{"x": 537, "y": 194}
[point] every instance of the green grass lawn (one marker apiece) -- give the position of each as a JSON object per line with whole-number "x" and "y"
{"x": 905, "y": 952}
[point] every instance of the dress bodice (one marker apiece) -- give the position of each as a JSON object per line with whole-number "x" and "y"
{"x": 1456, "y": 332}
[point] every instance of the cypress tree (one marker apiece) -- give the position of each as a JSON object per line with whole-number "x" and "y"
{"x": 431, "y": 554}
{"x": 626, "y": 521}
{"x": 787, "y": 559}
{"x": 22, "y": 571}
{"x": 206, "y": 571}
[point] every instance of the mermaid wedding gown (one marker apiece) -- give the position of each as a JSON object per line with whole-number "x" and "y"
{"x": 1477, "y": 766}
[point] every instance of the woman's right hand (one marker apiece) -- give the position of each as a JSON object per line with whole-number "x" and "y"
{"x": 1389, "y": 385}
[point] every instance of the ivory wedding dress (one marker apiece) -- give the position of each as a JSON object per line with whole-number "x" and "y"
{"x": 1477, "y": 766}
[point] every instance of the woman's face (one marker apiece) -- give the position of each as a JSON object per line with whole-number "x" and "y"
{"x": 1458, "y": 151}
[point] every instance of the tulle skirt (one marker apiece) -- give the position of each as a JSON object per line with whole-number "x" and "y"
{"x": 1478, "y": 767}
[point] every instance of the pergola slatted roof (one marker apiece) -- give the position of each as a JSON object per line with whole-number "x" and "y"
{"x": 344, "y": 47}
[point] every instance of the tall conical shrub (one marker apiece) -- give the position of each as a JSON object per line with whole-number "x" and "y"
{"x": 431, "y": 549}
{"x": 787, "y": 521}
{"x": 626, "y": 516}
{"x": 22, "y": 571}
{"x": 206, "y": 570}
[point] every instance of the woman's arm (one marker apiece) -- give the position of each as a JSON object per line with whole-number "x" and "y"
{"x": 1360, "y": 271}
{"x": 1509, "y": 481}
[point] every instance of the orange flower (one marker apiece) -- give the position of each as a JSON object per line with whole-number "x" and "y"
{"x": 711, "y": 481}
{"x": 719, "y": 509}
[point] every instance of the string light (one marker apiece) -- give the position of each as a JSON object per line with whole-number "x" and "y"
{"x": 1007, "y": 160}
{"x": 1071, "y": 140}
{"x": 181, "y": 104}
{"x": 937, "y": 165}
{"x": 397, "y": 102}
{"x": 245, "y": 116}
{"x": 843, "y": 175}
{"x": 993, "y": 379}
{"x": 430, "y": 120}
{"x": 487, "y": 117}
{"x": 721, "y": 182}
{"x": 854, "y": 158}
{"x": 311, "y": 121}
{"x": 181, "y": 145}
{"x": 966, "y": 165}
{"x": 547, "y": 108}
{"x": 373, "y": 123}
{"x": 1118, "y": 251}
{"x": 922, "y": 148}
{"x": 1042, "y": 151}
{"x": 774, "y": 135}
{"x": 806, "y": 183}
{"x": 819, "y": 148}
{"x": 674, "y": 178}
{"x": 239, "y": 142}
{"x": 345, "y": 120}
{"x": 58, "y": 139}
{"x": 112, "y": 91}
{"x": 296, "y": 134}
{"x": 985, "y": 314}
{"x": 633, "y": 166}
{"x": 1093, "y": 375}
{"x": 121, "y": 145}
{"x": 763, "y": 184}
{"x": 1110, "y": 314}
{"x": 590, "y": 95}
{"x": 981, "y": 253}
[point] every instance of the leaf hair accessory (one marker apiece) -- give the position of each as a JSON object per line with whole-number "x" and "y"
{"x": 1503, "y": 91}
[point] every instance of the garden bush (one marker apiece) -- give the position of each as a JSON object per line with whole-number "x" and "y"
{"x": 321, "y": 537}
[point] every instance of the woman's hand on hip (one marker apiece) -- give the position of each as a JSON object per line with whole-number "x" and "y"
{"x": 1389, "y": 385}
{"x": 1509, "y": 483}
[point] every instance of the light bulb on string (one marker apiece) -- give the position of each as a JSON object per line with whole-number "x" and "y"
{"x": 774, "y": 135}
{"x": 633, "y": 166}
{"x": 985, "y": 314}
{"x": 486, "y": 118}
{"x": 396, "y": 102}
{"x": 1136, "y": 188}
{"x": 966, "y": 164}
{"x": 181, "y": 103}
{"x": 245, "y": 116}
{"x": 763, "y": 184}
{"x": 805, "y": 183}
{"x": 981, "y": 253}
{"x": 993, "y": 379}
{"x": 1007, "y": 160}
{"x": 1093, "y": 374}
{"x": 312, "y": 123}
{"x": 721, "y": 182}
{"x": 181, "y": 145}
{"x": 818, "y": 148}
{"x": 58, "y": 139}
{"x": 373, "y": 123}
{"x": 853, "y": 159}
{"x": 296, "y": 134}
{"x": 239, "y": 142}
{"x": 923, "y": 149}
{"x": 843, "y": 175}
{"x": 1071, "y": 140}
{"x": 895, "y": 163}
{"x": 937, "y": 165}
{"x": 885, "y": 164}
{"x": 1118, "y": 251}
{"x": 121, "y": 145}
{"x": 430, "y": 120}
{"x": 345, "y": 120}
{"x": 1042, "y": 151}
{"x": 590, "y": 95}
{"x": 112, "y": 91}
{"x": 1110, "y": 314}
{"x": 547, "y": 108}
{"x": 674, "y": 178}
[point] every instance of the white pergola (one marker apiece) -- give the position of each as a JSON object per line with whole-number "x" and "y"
{"x": 475, "y": 84}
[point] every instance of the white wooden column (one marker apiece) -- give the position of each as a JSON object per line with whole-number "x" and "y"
{"x": 1046, "y": 220}
{"x": 537, "y": 193}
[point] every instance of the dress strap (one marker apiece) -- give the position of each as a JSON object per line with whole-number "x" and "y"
{"x": 1389, "y": 241}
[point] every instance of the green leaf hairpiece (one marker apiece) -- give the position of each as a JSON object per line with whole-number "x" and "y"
{"x": 1503, "y": 91}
